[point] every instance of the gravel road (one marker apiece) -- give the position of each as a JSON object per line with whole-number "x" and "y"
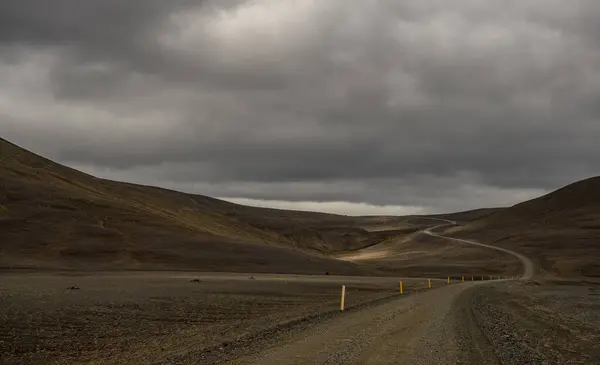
{"x": 485, "y": 322}
{"x": 431, "y": 327}
{"x": 472, "y": 323}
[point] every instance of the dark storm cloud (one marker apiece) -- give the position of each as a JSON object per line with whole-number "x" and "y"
{"x": 115, "y": 34}
{"x": 422, "y": 103}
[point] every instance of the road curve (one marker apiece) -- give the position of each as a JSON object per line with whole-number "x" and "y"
{"x": 528, "y": 267}
{"x": 432, "y": 327}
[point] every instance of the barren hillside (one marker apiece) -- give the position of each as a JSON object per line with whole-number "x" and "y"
{"x": 54, "y": 216}
{"x": 560, "y": 230}
{"x": 467, "y": 216}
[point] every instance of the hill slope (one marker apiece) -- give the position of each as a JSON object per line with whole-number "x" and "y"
{"x": 560, "y": 230}
{"x": 54, "y": 216}
{"x": 467, "y": 216}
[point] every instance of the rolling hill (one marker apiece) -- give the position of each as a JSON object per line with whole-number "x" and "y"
{"x": 56, "y": 217}
{"x": 560, "y": 230}
{"x": 468, "y": 215}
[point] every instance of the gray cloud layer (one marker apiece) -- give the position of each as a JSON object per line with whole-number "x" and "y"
{"x": 431, "y": 104}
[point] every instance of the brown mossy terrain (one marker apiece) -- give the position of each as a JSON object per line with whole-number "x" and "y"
{"x": 560, "y": 230}
{"x": 53, "y": 216}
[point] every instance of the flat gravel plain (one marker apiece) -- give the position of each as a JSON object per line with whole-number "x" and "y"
{"x": 143, "y": 317}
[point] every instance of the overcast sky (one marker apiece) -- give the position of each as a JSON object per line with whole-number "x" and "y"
{"x": 355, "y": 107}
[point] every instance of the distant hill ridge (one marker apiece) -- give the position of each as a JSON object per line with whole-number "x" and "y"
{"x": 560, "y": 230}
{"x": 52, "y": 216}
{"x": 565, "y": 206}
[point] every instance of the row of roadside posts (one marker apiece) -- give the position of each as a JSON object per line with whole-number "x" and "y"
{"x": 449, "y": 281}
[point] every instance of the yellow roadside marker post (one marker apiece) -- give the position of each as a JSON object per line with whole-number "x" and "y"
{"x": 448, "y": 280}
{"x": 491, "y": 277}
{"x": 498, "y": 277}
{"x": 343, "y": 297}
{"x": 401, "y": 289}
{"x": 429, "y": 283}
{"x": 463, "y": 278}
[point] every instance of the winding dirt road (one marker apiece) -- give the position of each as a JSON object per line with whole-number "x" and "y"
{"x": 437, "y": 326}
{"x": 528, "y": 267}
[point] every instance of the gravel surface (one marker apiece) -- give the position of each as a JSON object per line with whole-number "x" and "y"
{"x": 184, "y": 319}
{"x": 548, "y": 324}
{"x": 252, "y": 343}
{"x": 144, "y": 318}
{"x": 415, "y": 329}
{"x": 503, "y": 322}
